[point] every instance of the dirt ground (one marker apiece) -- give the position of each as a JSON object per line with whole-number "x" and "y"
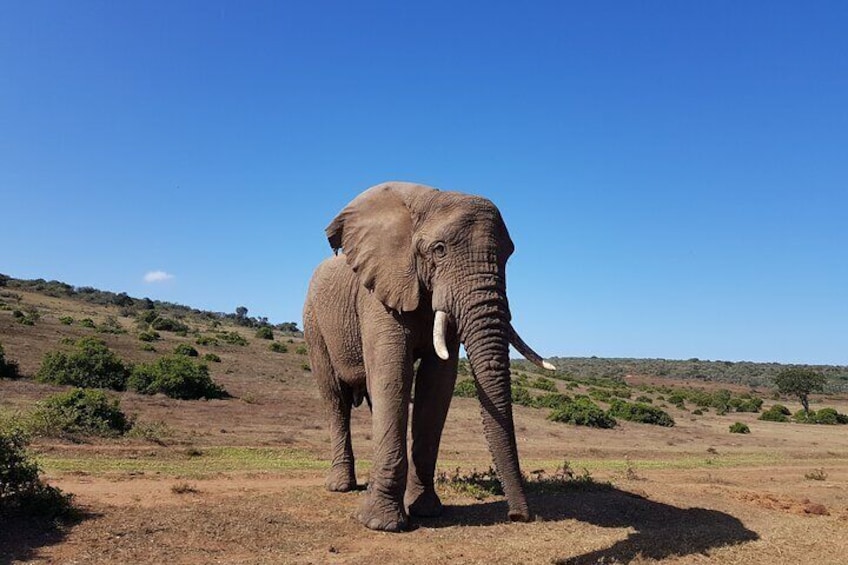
{"x": 241, "y": 480}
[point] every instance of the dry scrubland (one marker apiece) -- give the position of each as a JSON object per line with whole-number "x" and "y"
{"x": 240, "y": 480}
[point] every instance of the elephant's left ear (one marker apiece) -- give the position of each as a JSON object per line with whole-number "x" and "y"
{"x": 375, "y": 232}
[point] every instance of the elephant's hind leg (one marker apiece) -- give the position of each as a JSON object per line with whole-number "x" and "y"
{"x": 338, "y": 399}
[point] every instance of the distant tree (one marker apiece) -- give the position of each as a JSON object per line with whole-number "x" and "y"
{"x": 800, "y": 382}
{"x": 4, "y": 279}
{"x": 241, "y": 312}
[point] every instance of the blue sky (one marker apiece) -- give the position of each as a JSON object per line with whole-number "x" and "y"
{"x": 674, "y": 174}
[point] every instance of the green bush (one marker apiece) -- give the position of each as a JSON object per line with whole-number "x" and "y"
{"x": 80, "y": 411}
{"x": 583, "y": 412}
{"x": 543, "y": 383}
{"x": 147, "y": 347}
{"x": 466, "y": 388}
{"x": 206, "y": 341}
{"x": 305, "y": 366}
{"x": 265, "y": 332}
{"x": 639, "y": 412}
{"x": 301, "y": 350}
{"x": 739, "y": 428}
{"x": 89, "y": 364}
{"x": 746, "y": 404}
{"x": 8, "y": 369}
{"x": 149, "y": 335}
{"x": 554, "y": 400}
{"x": 22, "y": 493}
{"x": 212, "y": 358}
{"x": 232, "y": 338}
{"x": 278, "y": 347}
{"x": 825, "y": 416}
{"x": 176, "y": 376}
{"x": 87, "y": 323}
{"x": 163, "y": 324}
{"x": 185, "y": 349}
{"x": 644, "y": 399}
{"x": 777, "y": 413}
{"x": 522, "y": 396}
{"x": 67, "y": 320}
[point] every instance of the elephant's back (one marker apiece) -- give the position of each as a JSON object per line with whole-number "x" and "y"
{"x": 330, "y": 312}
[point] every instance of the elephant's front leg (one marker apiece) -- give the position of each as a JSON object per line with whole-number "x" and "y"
{"x": 434, "y": 385}
{"x": 388, "y": 364}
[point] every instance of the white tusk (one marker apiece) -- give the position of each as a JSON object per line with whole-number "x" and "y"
{"x": 440, "y": 327}
{"x": 527, "y": 351}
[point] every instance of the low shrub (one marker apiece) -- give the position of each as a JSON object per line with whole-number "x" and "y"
{"x": 87, "y": 323}
{"x": 149, "y": 335}
{"x": 185, "y": 349}
{"x": 825, "y": 416}
{"x": 305, "y": 366}
{"x": 67, "y": 320}
{"x": 697, "y": 412}
{"x": 776, "y": 413}
{"x": 89, "y": 364}
{"x": 22, "y": 492}
{"x": 232, "y": 338}
{"x": 466, "y": 388}
{"x": 301, "y": 350}
{"x": 206, "y": 341}
{"x": 8, "y": 369}
{"x": 543, "y": 383}
{"x": 582, "y": 412}
{"x": 80, "y": 411}
{"x": 553, "y": 400}
{"x": 644, "y": 399}
{"x": 265, "y": 332}
{"x": 746, "y": 404}
{"x": 522, "y": 396}
{"x": 164, "y": 324}
{"x": 175, "y": 376}
{"x": 739, "y": 428}
{"x": 278, "y": 347}
{"x": 639, "y": 412}
{"x": 147, "y": 347}
{"x": 212, "y": 358}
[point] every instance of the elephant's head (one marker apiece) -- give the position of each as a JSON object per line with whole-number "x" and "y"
{"x": 407, "y": 241}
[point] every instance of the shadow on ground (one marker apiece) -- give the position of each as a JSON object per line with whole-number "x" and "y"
{"x": 662, "y": 530}
{"x": 21, "y": 538}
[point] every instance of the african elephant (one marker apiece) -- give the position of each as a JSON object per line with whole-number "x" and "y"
{"x": 422, "y": 270}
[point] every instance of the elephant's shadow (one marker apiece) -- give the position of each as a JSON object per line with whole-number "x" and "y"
{"x": 662, "y": 530}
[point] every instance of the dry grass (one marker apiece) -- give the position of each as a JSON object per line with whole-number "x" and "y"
{"x": 241, "y": 480}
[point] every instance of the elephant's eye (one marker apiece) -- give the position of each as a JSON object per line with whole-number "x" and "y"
{"x": 439, "y": 249}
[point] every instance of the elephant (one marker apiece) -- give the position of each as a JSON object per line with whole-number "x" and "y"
{"x": 420, "y": 272}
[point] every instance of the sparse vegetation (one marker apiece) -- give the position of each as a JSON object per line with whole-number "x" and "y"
{"x": 232, "y": 338}
{"x": 301, "y": 350}
{"x": 22, "y": 492}
{"x": 79, "y": 412}
{"x": 212, "y": 358}
{"x": 278, "y": 347}
{"x": 465, "y": 388}
{"x": 66, "y": 320}
{"x": 582, "y": 412}
{"x": 776, "y": 413}
{"x": 206, "y": 341}
{"x": 739, "y": 428}
{"x": 149, "y": 336}
{"x": 265, "y": 332}
{"x": 639, "y": 412}
{"x": 87, "y": 323}
{"x": 175, "y": 376}
{"x": 8, "y": 369}
{"x": 816, "y": 475}
{"x": 89, "y": 364}
{"x": 185, "y": 349}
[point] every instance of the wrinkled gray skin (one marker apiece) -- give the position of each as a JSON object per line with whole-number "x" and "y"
{"x": 408, "y": 251}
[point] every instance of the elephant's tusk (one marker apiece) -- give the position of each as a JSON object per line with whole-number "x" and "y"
{"x": 527, "y": 351}
{"x": 440, "y": 327}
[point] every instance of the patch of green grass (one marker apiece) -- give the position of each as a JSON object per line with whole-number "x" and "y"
{"x": 172, "y": 463}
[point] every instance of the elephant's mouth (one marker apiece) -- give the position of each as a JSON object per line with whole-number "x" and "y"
{"x": 440, "y": 328}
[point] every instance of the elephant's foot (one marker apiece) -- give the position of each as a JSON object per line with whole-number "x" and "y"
{"x": 383, "y": 515}
{"x": 341, "y": 478}
{"x": 422, "y": 501}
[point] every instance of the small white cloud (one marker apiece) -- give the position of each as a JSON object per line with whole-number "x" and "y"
{"x": 157, "y": 276}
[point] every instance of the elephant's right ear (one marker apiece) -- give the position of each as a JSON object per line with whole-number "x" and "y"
{"x": 375, "y": 232}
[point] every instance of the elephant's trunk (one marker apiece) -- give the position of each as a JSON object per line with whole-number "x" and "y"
{"x": 483, "y": 324}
